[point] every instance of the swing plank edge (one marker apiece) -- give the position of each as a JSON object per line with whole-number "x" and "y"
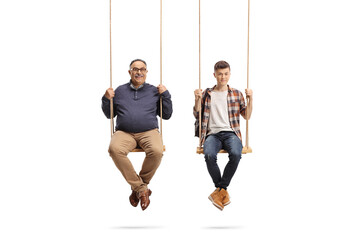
{"x": 245, "y": 150}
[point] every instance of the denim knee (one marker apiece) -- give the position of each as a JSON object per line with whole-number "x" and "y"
{"x": 235, "y": 155}
{"x": 210, "y": 156}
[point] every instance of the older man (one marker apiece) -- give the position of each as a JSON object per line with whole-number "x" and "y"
{"x": 136, "y": 106}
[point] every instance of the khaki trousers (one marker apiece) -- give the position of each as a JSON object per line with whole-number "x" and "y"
{"x": 122, "y": 143}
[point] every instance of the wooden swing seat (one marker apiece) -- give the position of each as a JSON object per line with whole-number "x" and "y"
{"x": 245, "y": 150}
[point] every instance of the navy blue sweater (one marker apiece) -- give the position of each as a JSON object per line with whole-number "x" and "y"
{"x": 136, "y": 109}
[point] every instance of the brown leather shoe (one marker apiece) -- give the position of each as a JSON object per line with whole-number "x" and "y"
{"x": 134, "y": 200}
{"x": 144, "y": 198}
{"x": 216, "y": 198}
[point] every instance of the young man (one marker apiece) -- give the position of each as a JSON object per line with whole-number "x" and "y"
{"x": 221, "y": 107}
{"x": 136, "y": 106}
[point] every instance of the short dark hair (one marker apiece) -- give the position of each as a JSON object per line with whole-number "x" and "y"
{"x": 136, "y": 60}
{"x": 221, "y": 65}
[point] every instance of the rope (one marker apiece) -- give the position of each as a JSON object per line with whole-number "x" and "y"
{"x": 111, "y": 100}
{"x": 161, "y": 109}
{"x": 200, "y": 71}
{"x": 248, "y": 99}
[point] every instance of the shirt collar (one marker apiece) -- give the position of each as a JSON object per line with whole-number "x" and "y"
{"x": 133, "y": 87}
{"x": 212, "y": 89}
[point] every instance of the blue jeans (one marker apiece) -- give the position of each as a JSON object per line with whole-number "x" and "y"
{"x": 232, "y": 144}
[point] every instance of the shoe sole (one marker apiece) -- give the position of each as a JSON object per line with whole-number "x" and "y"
{"x": 225, "y": 204}
{"x": 215, "y": 204}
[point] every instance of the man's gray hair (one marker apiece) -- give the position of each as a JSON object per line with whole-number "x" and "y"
{"x": 136, "y": 61}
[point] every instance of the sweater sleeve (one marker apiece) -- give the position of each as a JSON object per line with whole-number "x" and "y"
{"x": 105, "y": 105}
{"x": 166, "y": 105}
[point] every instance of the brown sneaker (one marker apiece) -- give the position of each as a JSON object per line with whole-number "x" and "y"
{"x": 226, "y": 200}
{"x": 134, "y": 200}
{"x": 216, "y": 199}
{"x": 211, "y": 197}
{"x": 144, "y": 198}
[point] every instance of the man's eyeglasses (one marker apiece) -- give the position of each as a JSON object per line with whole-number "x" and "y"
{"x": 142, "y": 70}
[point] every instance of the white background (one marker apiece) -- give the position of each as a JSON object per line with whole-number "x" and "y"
{"x": 57, "y": 180}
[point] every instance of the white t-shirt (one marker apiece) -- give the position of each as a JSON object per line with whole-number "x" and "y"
{"x": 219, "y": 116}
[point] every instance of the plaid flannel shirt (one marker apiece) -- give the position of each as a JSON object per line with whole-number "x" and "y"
{"x": 236, "y": 107}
